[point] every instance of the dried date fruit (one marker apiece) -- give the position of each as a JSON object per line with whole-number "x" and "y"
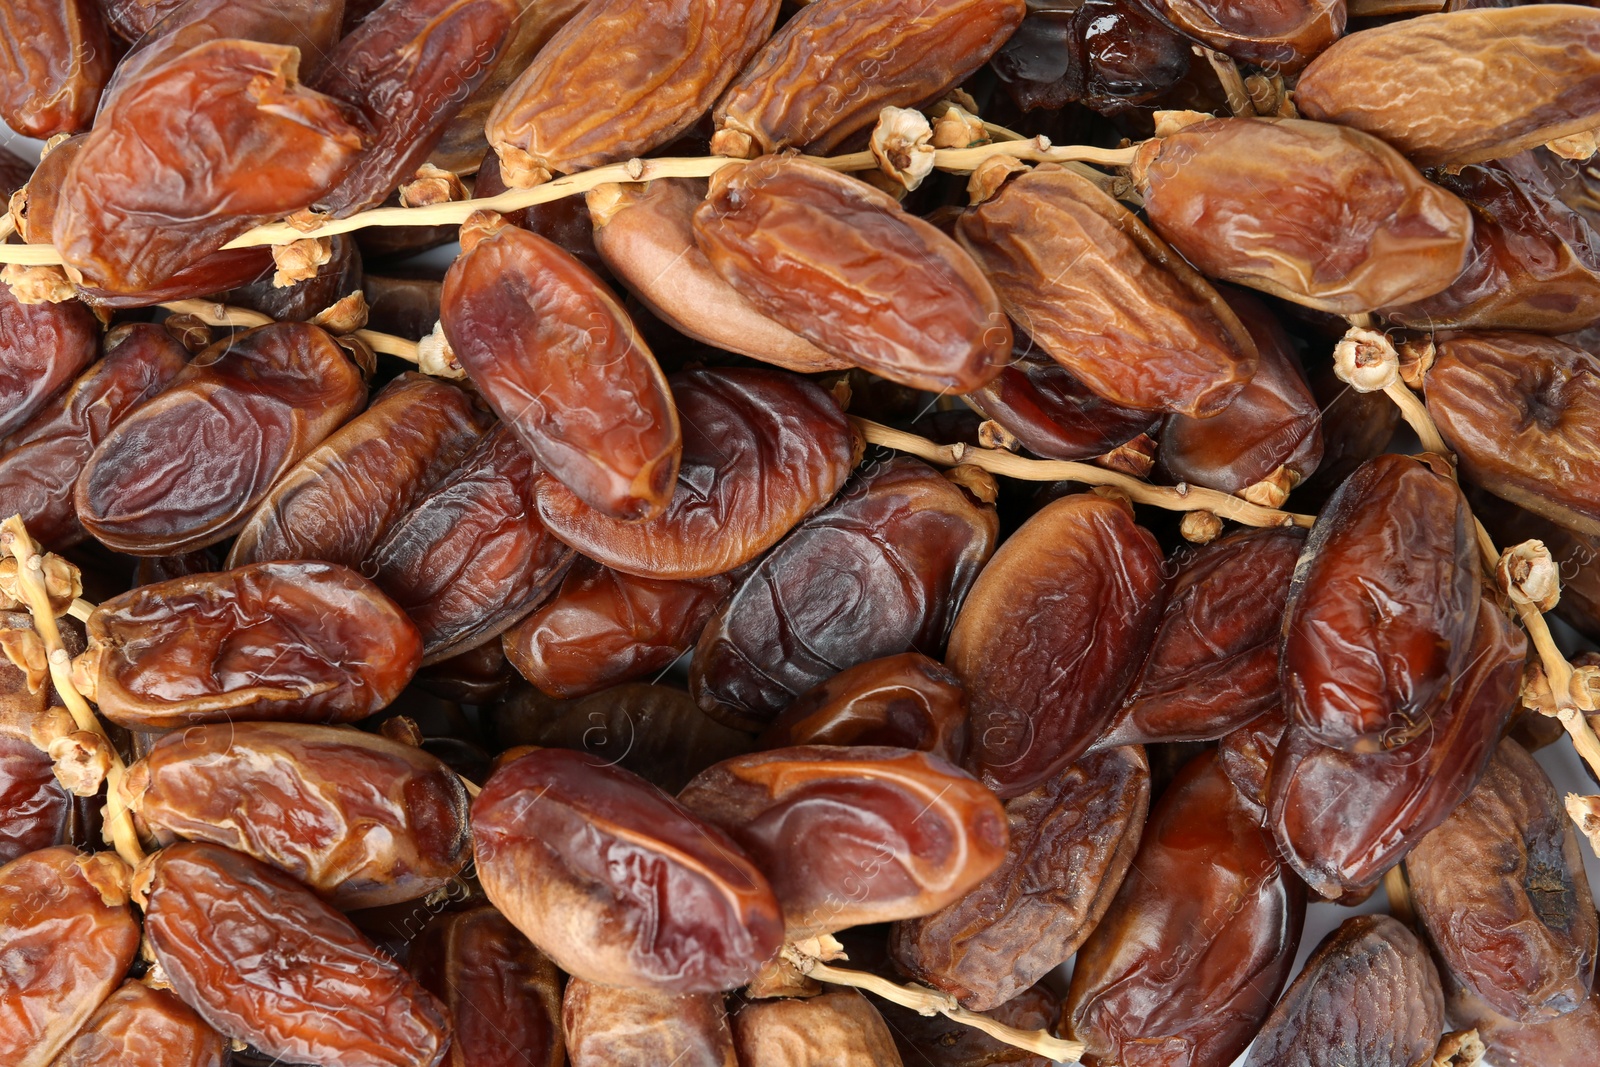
{"x": 1577, "y": 555}
{"x": 471, "y": 557}
{"x": 139, "y": 1026}
{"x": 1246, "y": 757}
{"x": 839, "y": 1029}
{"x": 40, "y": 463}
{"x": 42, "y": 348}
{"x": 1501, "y": 889}
{"x": 603, "y": 627}
{"x": 347, "y": 492}
{"x": 132, "y": 19}
{"x": 1566, "y": 1041}
{"x": 477, "y": 676}
{"x": 1356, "y": 427}
{"x": 1072, "y": 840}
{"x": 1051, "y": 413}
{"x": 300, "y": 641}
{"x": 37, "y": 808}
{"x": 854, "y": 835}
{"x": 611, "y": 85}
{"x": 837, "y": 63}
{"x": 938, "y": 1041}
{"x": 334, "y": 280}
{"x": 68, "y": 936}
{"x": 55, "y": 58}
{"x": 761, "y": 450}
{"x": 881, "y": 570}
{"x": 404, "y": 306}
{"x": 1270, "y": 203}
{"x": 263, "y": 960}
{"x": 904, "y": 701}
{"x": 502, "y": 994}
{"x": 1130, "y": 320}
{"x": 1343, "y": 818}
{"x": 560, "y": 361}
{"x": 1369, "y": 994}
{"x": 362, "y": 820}
{"x": 1477, "y": 84}
{"x": 1108, "y": 54}
{"x": 1195, "y": 948}
{"x": 186, "y": 469}
{"x": 606, "y": 1025}
{"x": 1052, "y": 635}
{"x": 840, "y": 264}
{"x": 616, "y": 881}
{"x": 1282, "y": 35}
{"x": 1380, "y": 617}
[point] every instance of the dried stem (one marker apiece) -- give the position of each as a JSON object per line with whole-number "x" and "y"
{"x": 1227, "y": 72}
{"x": 8, "y": 226}
{"x": 81, "y": 609}
{"x": 1417, "y": 417}
{"x": 223, "y": 315}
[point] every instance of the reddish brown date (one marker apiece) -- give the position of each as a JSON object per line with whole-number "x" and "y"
{"x": 1072, "y": 840}
{"x": 1369, "y": 994}
{"x": 840, "y": 264}
{"x": 68, "y": 936}
{"x": 1282, "y": 35}
{"x": 1380, "y": 617}
{"x": 334, "y": 280}
{"x": 761, "y": 450}
{"x": 347, "y": 492}
{"x": 841, "y": 1029}
{"x": 40, "y": 463}
{"x": 560, "y": 361}
{"x": 1195, "y": 948}
{"x": 186, "y": 469}
{"x": 1246, "y": 757}
{"x": 55, "y": 58}
{"x": 854, "y": 835}
{"x": 881, "y": 570}
{"x": 606, "y": 1025}
{"x": 1050, "y": 412}
{"x": 1052, "y": 635}
{"x": 262, "y": 959}
{"x": 42, "y": 348}
{"x": 1501, "y": 889}
{"x": 36, "y": 807}
{"x": 138, "y": 1026}
{"x": 1106, "y": 53}
{"x": 1566, "y": 1041}
{"x": 616, "y": 881}
{"x": 132, "y": 19}
{"x": 301, "y": 641}
{"x": 472, "y": 557}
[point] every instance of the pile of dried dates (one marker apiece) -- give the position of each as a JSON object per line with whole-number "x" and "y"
{"x": 823, "y": 533}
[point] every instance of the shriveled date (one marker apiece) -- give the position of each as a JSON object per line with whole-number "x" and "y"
{"x": 42, "y": 348}
{"x": 840, "y": 1028}
{"x": 1052, "y": 413}
{"x": 607, "y": 1025}
{"x": 139, "y": 1026}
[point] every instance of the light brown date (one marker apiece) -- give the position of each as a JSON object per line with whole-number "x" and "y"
{"x": 139, "y": 1026}
{"x": 840, "y": 1029}
{"x": 607, "y": 1025}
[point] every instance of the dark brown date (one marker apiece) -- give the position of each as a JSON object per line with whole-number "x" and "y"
{"x": 938, "y": 1041}
{"x": 1501, "y": 889}
{"x": 1108, "y": 54}
{"x": 1246, "y": 757}
{"x": 1052, "y": 635}
{"x": 42, "y": 348}
{"x": 138, "y": 1026}
{"x": 36, "y": 807}
{"x": 1050, "y": 412}
{"x": 1282, "y": 35}
{"x": 1356, "y": 427}
{"x": 263, "y": 960}
{"x": 1369, "y": 994}
{"x": 404, "y": 306}
{"x": 606, "y": 1025}
{"x": 1195, "y": 948}
{"x": 561, "y": 363}
{"x": 854, "y": 835}
{"x": 1379, "y": 622}
{"x": 55, "y": 58}
{"x": 840, "y": 1029}
{"x": 616, "y": 881}
{"x": 186, "y": 469}
{"x": 339, "y": 501}
{"x": 334, "y": 280}
{"x": 761, "y": 450}
{"x": 1072, "y": 840}
{"x": 472, "y": 556}
{"x": 881, "y": 570}
{"x": 302, "y": 641}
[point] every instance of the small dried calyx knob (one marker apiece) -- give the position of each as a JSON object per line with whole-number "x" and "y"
{"x": 1529, "y": 575}
{"x": 1201, "y": 527}
{"x": 902, "y": 144}
{"x": 1366, "y": 360}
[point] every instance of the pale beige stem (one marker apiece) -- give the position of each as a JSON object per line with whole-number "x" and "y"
{"x": 81, "y": 609}
{"x": 1227, "y": 72}
{"x": 8, "y": 226}
{"x": 214, "y": 314}
{"x": 1417, "y": 417}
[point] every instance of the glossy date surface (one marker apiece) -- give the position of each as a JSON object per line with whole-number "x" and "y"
{"x": 55, "y": 58}
{"x": 905, "y": 701}
{"x": 139, "y": 1026}
{"x": 42, "y": 348}
{"x": 1053, "y": 414}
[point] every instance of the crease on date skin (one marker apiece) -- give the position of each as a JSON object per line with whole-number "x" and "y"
{"x": 605, "y": 1025}
{"x": 139, "y": 1022}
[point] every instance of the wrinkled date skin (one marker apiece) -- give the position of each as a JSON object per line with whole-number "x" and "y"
{"x": 263, "y": 959}
{"x": 34, "y": 212}
{"x": 841, "y": 1029}
{"x": 1280, "y": 34}
{"x": 55, "y": 58}
{"x": 1108, "y": 54}
{"x": 603, "y": 627}
{"x": 345, "y": 495}
{"x": 502, "y": 994}
{"x": 881, "y": 570}
{"x": 1072, "y": 840}
{"x": 1195, "y": 947}
{"x": 68, "y": 936}
{"x": 836, "y": 64}
{"x": 905, "y": 701}
{"x": 611, "y": 85}
{"x": 132, "y": 19}
{"x": 761, "y": 450}
{"x": 1369, "y": 994}
{"x": 360, "y": 819}
{"x": 186, "y": 469}
{"x": 854, "y": 835}
{"x": 561, "y": 363}
{"x": 1213, "y": 665}
{"x": 1520, "y": 410}
{"x": 1342, "y": 818}
{"x": 1380, "y": 617}
{"x": 302, "y": 641}
{"x": 1566, "y": 1041}
{"x": 1501, "y": 889}
{"x": 251, "y": 145}
{"x": 605, "y": 1026}
{"x": 840, "y": 264}
{"x": 1053, "y": 414}
{"x": 42, "y": 348}
{"x": 1246, "y": 757}
{"x": 1271, "y": 204}
{"x": 1130, "y": 320}
{"x": 472, "y": 557}
{"x": 138, "y": 1026}
{"x": 616, "y": 881}
{"x": 1052, "y": 635}
{"x": 1477, "y": 85}
{"x": 37, "y": 808}
{"x": 40, "y": 463}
